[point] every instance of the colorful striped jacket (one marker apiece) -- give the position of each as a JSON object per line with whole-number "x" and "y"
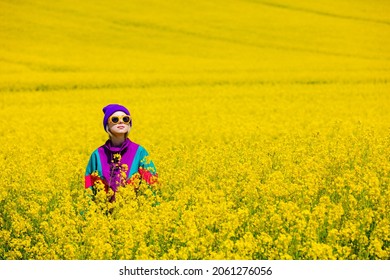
{"x": 103, "y": 165}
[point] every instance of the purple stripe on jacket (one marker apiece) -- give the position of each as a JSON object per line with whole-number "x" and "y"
{"x": 106, "y": 152}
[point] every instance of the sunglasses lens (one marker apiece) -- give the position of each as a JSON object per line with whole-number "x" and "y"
{"x": 126, "y": 119}
{"x": 115, "y": 119}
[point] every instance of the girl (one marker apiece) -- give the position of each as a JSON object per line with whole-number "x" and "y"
{"x": 119, "y": 160}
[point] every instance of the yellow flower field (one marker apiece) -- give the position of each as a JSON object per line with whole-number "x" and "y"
{"x": 268, "y": 123}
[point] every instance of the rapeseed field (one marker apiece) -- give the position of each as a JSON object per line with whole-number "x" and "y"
{"x": 268, "y": 123}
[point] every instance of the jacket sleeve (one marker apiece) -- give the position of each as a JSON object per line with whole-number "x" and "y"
{"x": 147, "y": 169}
{"x": 92, "y": 167}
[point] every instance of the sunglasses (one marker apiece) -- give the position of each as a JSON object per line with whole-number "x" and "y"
{"x": 116, "y": 119}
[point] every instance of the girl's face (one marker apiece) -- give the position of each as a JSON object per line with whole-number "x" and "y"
{"x": 117, "y": 123}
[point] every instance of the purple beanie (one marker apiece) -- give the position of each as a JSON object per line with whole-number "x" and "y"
{"x": 111, "y": 109}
